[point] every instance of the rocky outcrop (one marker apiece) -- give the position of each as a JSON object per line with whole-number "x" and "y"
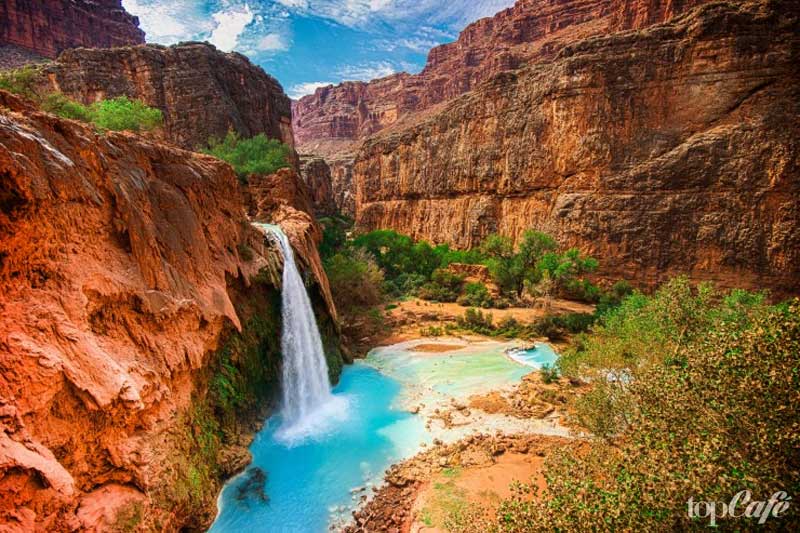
{"x": 671, "y": 149}
{"x": 139, "y": 326}
{"x": 201, "y": 91}
{"x": 327, "y": 122}
{"x": 48, "y": 27}
{"x": 283, "y": 198}
{"x": 316, "y": 174}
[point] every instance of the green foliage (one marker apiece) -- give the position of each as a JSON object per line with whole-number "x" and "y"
{"x": 477, "y": 321}
{"x": 60, "y": 105}
{"x": 448, "y": 256}
{"x": 431, "y": 331}
{"x": 256, "y": 155}
{"x": 548, "y": 373}
{"x": 334, "y": 235}
{"x": 21, "y": 81}
{"x": 514, "y": 270}
{"x": 406, "y": 284}
{"x": 443, "y": 287}
{"x": 355, "y": 280}
{"x": 694, "y": 395}
{"x": 549, "y": 327}
{"x": 476, "y": 295}
{"x": 125, "y": 114}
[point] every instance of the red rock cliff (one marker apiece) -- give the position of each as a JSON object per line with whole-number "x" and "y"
{"x": 49, "y": 27}
{"x": 532, "y": 30}
{"x": 125, "y": 265}
{"x": 201, "y": 91}
{"x": 671, "y": 149}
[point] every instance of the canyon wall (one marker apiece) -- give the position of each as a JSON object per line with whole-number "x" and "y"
{"x": 139, "y": 329}
{"x": 201, "y": 91}
{"x": 328, "y": 121}
{"x": 669, "y": 149}
{"x": 316, "y": 174}
{"x": 48, "y": 27}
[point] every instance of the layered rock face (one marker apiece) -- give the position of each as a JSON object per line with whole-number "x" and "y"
{"x": 126, "y": 267}
{"x": 201, "y": 91}
{"x": 328, "y": 121}
{"x": 671, "y": 149}
{"x": 316, "y": 174}
{"x": 49, "y": 27}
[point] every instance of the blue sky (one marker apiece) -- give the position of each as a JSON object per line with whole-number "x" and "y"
{"x": 310, "y": 43}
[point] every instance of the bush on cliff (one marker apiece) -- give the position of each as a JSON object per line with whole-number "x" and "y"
{"x": 256, "y": 155}
{"x": 695, "y": 394}
{"x": 21, "y": 81}
{"x": 125, "y": 114}
{"x": 58, "y": 104}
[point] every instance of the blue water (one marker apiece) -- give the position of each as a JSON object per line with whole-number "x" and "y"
{"x": 309, "y": 482}
{"x": 306, "y": 483}
{"x": 542, "y": 354}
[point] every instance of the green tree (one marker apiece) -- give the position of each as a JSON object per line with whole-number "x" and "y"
{"x": 256, "y": 155}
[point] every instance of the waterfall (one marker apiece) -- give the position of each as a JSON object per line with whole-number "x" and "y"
{"x": 307, "y": 402}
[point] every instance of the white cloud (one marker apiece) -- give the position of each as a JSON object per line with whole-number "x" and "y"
{"x": 365, "y": 12}
{"x": 170, "y": 22}
{"x": 368, "y": 71}
{"x": 272, "y": 42}
{"x": 230, "y": 25}
{"x": 302, "y": 89}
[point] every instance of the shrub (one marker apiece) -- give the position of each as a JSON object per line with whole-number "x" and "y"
{"x": 431, "y": 331}
{"x": 575, "y": 322}
{"x": 334, "y": 235}
{"x": 122, "y": 113}
{"x": 60, "y": 105}
{"x": 509, "y": 327}
{"x": 21, "y": 81}
{"x": 405, "y": 284}
{"x": 549, "y": 327}
{"x": 703, "y": 405}
{"x": 256, "y": 155}
{"x": 548, "y": 373}
{"x": 355, "y": 280}
{"x": 477, "y": 321}
{"x": 443, "y": 287}
{"x": 475, "y": 295}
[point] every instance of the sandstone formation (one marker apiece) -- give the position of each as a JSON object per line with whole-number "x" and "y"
{"x": 328, "y": 121}
{"x": 667, "y": 150}
{"x": 316, "y": 174}
{"x": 201, "y": 91}
{"x": 48, "y": 27}
{"x": 133, "y": 288}
{"x": 284, "y": 199}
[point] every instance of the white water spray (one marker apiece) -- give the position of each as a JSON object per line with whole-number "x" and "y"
{"x": 308, "y": 406}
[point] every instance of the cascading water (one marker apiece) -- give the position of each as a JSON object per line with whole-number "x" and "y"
{"x": 308, "y": 406}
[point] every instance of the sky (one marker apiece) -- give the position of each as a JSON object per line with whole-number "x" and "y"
{"x": 307, "y": 44}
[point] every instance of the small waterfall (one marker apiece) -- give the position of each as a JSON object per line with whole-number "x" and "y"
{"x": 307, "y": 401}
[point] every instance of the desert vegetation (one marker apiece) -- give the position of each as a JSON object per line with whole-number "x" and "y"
{"x": 256, "y": 155}
{"x": 112, "y": 114}
{"x": 694, "y": 394}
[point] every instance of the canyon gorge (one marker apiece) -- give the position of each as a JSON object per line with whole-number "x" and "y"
{"x": 627, "y": 130}
{"x": 143, "y": 306}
